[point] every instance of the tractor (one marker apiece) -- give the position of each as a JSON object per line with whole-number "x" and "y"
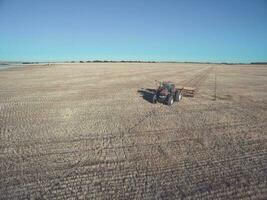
{"x": 167, "y": 93}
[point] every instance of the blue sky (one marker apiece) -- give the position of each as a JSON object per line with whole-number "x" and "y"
{"x": 186, "y": 30}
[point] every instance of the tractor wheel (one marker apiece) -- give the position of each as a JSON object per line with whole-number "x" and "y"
{"x": 178, "y": 95}
{"x": 154, "y": 99}
{"x": 170, "y": 100}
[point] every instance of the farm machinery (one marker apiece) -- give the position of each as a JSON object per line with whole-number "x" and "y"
{"x": 168, "y": 93}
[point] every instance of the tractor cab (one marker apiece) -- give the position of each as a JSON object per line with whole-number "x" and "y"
{"x": 168, "y": 85}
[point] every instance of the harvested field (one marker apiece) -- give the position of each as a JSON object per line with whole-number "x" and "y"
{"x": 90, "y": 131}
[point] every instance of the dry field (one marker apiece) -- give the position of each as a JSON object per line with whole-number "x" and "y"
{"x": 86, "y": 131}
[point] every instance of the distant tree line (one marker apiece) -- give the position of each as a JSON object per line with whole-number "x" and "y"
{"x": 258, "y": 63}
{"x": 112, "y": 61}
{"x": 140, "y": 61}
{"x": 30, "y": 63}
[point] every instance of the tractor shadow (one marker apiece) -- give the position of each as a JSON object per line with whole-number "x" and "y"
{"x": 147, "y": 94}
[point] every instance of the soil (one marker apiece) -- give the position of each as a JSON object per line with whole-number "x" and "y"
{"x": 88, "y": 131}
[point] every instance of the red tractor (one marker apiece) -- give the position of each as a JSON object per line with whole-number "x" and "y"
{"x": 167, "y": 93}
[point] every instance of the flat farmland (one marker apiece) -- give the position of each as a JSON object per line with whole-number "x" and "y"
{"x": 85, "y": 131}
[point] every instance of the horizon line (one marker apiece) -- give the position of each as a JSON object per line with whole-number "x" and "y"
{"x": 129, "y": 61}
